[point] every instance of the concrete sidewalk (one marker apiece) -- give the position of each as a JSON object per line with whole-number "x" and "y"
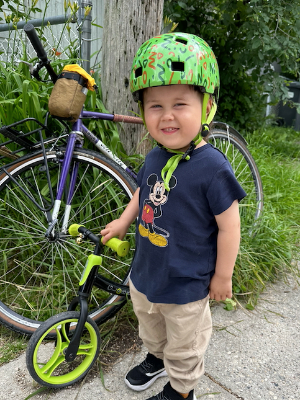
{"x": 252, "y": 356}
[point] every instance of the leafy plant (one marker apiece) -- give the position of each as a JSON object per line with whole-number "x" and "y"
{"x": 22, "y": 96}
{"x": 17, "y": 10}
{"x": 247, "y": 37}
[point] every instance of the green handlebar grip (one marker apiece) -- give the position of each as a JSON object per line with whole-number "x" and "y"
{"x": 73, "y": 229}
{"x": 119, "y": 246}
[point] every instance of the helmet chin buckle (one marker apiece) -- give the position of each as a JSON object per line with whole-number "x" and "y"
{"x": 205, "y": 130}
{"x": 187, "y": 154}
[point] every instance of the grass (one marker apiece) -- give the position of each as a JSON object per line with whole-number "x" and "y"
{"x": 119, "y": 336}
{"x": 11, "y": 345}
{"x": 268, "y": 255}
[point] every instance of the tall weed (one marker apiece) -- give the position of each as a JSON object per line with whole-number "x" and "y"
{"x": 20, "y": 96}
{"x": 273, "y": 251}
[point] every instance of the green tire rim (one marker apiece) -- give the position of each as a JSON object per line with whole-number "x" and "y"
{"x": 88, "y": 350}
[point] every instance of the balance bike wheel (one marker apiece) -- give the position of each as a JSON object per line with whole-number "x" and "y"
{"x": 45, "y": 357}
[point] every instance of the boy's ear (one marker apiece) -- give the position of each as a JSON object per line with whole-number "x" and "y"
{"x": 209, "y": 105}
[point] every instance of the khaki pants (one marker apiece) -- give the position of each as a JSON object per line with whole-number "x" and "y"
{"x": 178, "y": 334}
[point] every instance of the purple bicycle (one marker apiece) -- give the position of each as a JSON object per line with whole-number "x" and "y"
{"x": 59, "y": 183}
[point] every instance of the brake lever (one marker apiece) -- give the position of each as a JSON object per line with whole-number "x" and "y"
{"x": 30, "y": 66}
{"x": 34, "y": 70}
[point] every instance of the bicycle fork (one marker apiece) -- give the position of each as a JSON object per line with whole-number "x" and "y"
{"x": 82, "y": 300}
{"x": 74, "y": 140}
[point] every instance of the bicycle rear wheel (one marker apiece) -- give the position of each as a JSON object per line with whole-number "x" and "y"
{"x": 246, "y": 172}
{"x": 39, "y": 276}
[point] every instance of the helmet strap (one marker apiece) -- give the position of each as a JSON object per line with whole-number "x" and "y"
{"x": 141, "y": 108}
{"x": 206, "y": 120}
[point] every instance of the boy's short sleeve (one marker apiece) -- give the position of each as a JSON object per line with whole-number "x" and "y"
{"x": 224, "y": 189}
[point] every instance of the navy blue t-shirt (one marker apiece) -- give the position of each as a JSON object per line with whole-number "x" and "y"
{"x": 176, "y": 236}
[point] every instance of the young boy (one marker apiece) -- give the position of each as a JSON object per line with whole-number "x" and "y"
{"x": 188, "y": 227}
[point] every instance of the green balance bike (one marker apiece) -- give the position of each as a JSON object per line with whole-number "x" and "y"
{"x": 65, "y": 347}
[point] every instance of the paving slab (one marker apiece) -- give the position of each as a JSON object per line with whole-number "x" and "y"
{"x": 253, "y": 355}
{"x": 259, "y": 351}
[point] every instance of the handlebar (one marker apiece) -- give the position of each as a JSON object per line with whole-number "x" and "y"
{"x": 40, "y": 52}
{"x": 119, "y": 246}
{"x": 35, "y": 41}
{"x": 45, "y": 62}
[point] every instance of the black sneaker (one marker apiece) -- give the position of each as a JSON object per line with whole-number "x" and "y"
{"x": 143, "y": 375}
{"x": 169, "y": 393}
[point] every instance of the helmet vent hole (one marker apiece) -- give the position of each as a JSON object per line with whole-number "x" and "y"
{"x": 138, "y": 72}
{"x": 180, "y": 40}
{"x": 177, "y": 66}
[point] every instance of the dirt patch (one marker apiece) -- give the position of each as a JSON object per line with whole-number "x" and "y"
{"x": 123, "y": 341}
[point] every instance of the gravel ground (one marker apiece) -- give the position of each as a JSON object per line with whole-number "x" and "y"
{"x": 252, "y": 356}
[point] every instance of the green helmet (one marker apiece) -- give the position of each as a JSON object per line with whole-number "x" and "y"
{"x": 172, "y": 59}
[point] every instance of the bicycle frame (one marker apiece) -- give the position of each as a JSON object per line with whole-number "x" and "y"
{"x": 80, "y": 127}
{"x": 75, "y": 140}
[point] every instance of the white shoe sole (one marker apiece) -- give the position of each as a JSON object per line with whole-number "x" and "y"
{"x": 146, "y": 385}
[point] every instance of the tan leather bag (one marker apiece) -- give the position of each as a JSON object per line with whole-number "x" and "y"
{"x": 69, "y": 92}
{"x": 68, "y": 96}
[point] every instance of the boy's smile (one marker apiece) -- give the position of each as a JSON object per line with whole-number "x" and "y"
{"x": 173, "y": 115}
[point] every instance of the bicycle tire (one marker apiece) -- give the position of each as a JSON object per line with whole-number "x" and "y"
{"x": 246, "y": 172}
{"x": 45, "y": 359}
{"x": 38, "y": 276}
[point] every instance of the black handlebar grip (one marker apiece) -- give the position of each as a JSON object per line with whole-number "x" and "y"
{"x": 35, "y": 41}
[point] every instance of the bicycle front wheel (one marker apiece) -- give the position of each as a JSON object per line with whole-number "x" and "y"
{"x": 247, "y": 174}
{"x": 39, "y": 276}
{"x": 45, "y": 359}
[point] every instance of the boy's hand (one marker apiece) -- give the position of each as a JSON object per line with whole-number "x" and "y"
{"x": 220, "y": 288}
{"x": 116, "y": 228}
{"x": 119, "y": 227}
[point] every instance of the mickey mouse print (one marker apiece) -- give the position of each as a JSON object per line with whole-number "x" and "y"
{"x": 152, "y": 209}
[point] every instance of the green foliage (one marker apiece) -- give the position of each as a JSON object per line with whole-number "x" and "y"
{"x": 23, "y": 12}
{"x": 247, "y": 37}
{"x": 22, "y": 96}
{"x": 18, "y": 11}
{"x": 274, "y": 250}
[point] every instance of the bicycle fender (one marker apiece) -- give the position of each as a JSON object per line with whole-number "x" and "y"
{"x": 91, "y": 262}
